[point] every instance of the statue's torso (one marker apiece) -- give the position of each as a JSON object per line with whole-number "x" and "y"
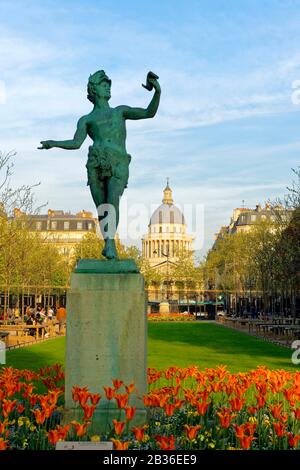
{"x": 107, "y": 128}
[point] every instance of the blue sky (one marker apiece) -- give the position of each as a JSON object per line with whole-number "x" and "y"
{"x": 226, "y": 131}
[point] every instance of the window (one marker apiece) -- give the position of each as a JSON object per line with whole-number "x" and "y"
{"x": 53, "y": 225}
{"x": 79, "y": 225}
{"x": 253, "y": 217}
{"x": 66, "y": 225}
{"x": 39, "y": 225}
{"x": 90, "y": 226}
{"x": 160, "y": 230}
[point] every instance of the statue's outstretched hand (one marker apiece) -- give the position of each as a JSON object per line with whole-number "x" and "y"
{"x": 46, "y": 144}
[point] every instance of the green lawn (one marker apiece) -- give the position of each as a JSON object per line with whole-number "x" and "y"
{"x": 178, "y": 344}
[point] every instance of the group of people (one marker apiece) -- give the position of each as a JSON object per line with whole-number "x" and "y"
{"x": 45, "y": 317}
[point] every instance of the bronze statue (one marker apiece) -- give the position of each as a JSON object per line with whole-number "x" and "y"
{"x": 108, "y": 160}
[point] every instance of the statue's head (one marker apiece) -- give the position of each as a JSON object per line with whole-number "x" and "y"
{"x": 98, "y": 85}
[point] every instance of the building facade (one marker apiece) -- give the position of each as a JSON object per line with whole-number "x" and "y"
{"x": 244, "y": 219}
{"x": 63, "y": 229}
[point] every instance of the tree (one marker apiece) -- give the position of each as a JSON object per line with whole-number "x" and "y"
{"x": 10, "y": 197}
{"x": 90, "y": 246}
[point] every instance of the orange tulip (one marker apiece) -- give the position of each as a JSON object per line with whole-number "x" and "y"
{"x": 237, "y": 403}
{"x": 261, "y": 401}
{"x": 43, "y": 399}
{"x": 252, "y": 410}
{"x": 88, "y": 411}
{"x": 11, "y": 389}
{"x": 76, "y": 391}
{"x": 130, "y": 388}
{"x": 33, "y": 399}
{"x": 3, "y": 444}
{"x": 250, "y": 428}
{"x": 80, "y": 428}
{"x": 53, "y": 396}
{"x": 189, "y": 395}
{"x": 109, "y": 392}
{"x": 48, "y": 409}
{"x": 245, "y": 442}
{"x": 148, "y": 400}
{"x": 95, "y": 398}
{"x": 297, "y": 412}
{"x": 139, "y": 432}
{"x": 40, "y": 416}
{"x": 3, "y": 425}
{"x": 162, "y": 400}
{"x": 191, "y": 431}
{"x": 261, "y": 387}
{"x": 118, "y": 445}
{"x": 58, "y": 434}
{"x": 130, "y": 412}
{"x": 225, "y": 418}
{"x": 244, "y": 430}
{"x": 276, "y": 410}
{"x": 293, "y": 439}
{"x": 121, "y": 399}
{"x": 8, "y": 406}
{"x": 20, "y": 409}
{"x": 117, "y": 383}
{"x": 279, "y": 429}
{"x": 28, "y": 389}
{"x": 83, "y": 396}
{"x": 202, "y": 407}
{"x": 165, "y": 443}
{"x": 289, "y": 394}
{"x": 169, "y": 409}
{"x": 119, "y": 426}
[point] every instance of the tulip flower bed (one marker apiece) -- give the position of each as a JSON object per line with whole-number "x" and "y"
{"x": 187, "y": 409}
{"x": 178, "y": 317}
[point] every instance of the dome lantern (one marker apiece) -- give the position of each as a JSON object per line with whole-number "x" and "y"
{"x": 167, "y": 199}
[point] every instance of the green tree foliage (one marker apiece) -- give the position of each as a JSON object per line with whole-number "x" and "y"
{"x": 267, "y": 258}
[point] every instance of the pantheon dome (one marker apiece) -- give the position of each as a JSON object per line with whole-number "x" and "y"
{"x": 166, "y": 236}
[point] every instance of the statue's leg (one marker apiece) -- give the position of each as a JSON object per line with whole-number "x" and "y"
{"x": 98, "y": 192}
{"x": 115, "y": 188}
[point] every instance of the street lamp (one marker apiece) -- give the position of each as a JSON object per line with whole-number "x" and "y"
{"x": 166, "y": 255}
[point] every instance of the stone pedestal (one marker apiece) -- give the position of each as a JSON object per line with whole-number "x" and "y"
{"x": 164, "y": 307}
{"x": 106, "y": 336}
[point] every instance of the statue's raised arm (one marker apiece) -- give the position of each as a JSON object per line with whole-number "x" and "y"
{"x": 150, "y": 111}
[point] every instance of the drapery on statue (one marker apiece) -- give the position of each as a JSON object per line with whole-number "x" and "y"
{"x": 108, "y": 160}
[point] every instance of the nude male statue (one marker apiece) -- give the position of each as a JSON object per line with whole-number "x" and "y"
{"x": 108, "y": 160}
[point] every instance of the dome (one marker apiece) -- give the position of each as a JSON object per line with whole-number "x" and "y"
{"x": 167, "y": 212}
